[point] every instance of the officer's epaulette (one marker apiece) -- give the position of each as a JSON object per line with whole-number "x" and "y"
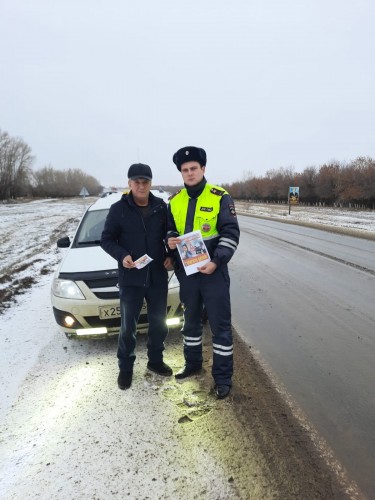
{"x": 219, "y": 192}
{"x": 173, "y": 195}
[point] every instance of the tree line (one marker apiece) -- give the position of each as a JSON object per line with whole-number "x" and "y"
{"x": 17, "y": 179}
{"x": 349, "y": 184}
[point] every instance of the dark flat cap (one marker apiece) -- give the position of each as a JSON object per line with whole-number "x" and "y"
{"x": 190, "y": 153}
{"x": 139, "y": 171}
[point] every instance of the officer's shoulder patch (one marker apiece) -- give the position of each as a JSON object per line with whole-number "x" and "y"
{"x": 173, "y": 195}
{"x": 232, "y": 210}
{"x": 218, "y": 192}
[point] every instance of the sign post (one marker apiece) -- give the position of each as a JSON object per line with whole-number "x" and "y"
{"x": 83, "y": 193}
{"x": 293, "y": 196}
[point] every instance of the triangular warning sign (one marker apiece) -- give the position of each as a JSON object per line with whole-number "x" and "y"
{"x": 84, "y": 192}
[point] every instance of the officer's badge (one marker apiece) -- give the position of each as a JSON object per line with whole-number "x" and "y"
{"x": 186, "y": 152}
{"x": 232, "y": 210}
{"x": 173, "y": 195}
{"x": 206, "y": 209}
{"x": 218, "y": 192}
{"x": 206, "y": 228}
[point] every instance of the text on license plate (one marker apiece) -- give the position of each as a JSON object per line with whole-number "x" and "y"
{"x": 106, "y": 312}
{"x": 109, "y": 312}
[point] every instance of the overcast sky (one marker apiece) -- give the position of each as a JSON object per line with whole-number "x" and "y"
{"x": 263, "y": 84}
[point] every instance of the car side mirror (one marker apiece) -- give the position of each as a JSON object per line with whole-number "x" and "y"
{"x": 63, "y": 242}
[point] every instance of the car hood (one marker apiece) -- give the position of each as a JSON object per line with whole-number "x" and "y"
{"x": 81, "y": 260}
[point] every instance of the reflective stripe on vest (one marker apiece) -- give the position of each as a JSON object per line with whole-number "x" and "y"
{"x": 206, "y": 211}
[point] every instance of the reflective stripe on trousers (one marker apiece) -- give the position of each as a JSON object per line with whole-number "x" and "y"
{"x": 213, "y": 291}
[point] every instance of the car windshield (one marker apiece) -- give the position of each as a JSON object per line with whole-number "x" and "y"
{"x": 91, "y": 228}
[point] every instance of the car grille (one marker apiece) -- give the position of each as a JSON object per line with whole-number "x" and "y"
{"x": 106, "y": 294}
{"x": 104, "y": 288}
{"x": 96, "y": 322}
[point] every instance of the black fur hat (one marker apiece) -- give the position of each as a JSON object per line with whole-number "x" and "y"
{"x": 190, "y": 153}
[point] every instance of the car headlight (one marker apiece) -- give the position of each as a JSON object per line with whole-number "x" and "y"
{"x": 173, "y": 282}
{"x": 66, "y": 289}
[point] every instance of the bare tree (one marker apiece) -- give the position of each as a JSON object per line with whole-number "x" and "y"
{"x": 351, "y": 184}
{"x": 307, "y": 185}
{"x": 369, "y": 187}
{"x": 61, "y": 183}
{"x": 15, "y": 166}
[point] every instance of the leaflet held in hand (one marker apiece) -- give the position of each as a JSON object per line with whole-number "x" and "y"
{"x": 193, "y": 252}
{"x": 142, "y": 261}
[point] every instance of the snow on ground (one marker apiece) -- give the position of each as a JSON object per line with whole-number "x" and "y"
{"x": 28, "y": 235}
{"x": 73, "y": 434}
{"x": 28, "y": 255}
{"x": 28, "y": 228}
{"x": 359, "y": 222}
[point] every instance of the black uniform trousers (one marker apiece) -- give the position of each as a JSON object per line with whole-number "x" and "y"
{"x": 213, "y": 291}
{"x": 131, "y": 301}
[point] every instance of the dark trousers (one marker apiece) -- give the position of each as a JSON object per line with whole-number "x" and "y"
{"x": 131, "y": 301}
{"x": 212, "y": 291}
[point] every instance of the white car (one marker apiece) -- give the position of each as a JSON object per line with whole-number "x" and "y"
{"x": 85, "y": 292}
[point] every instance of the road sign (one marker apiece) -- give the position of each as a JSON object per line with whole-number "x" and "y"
{"x": 293, "y": 196}
{"x": 84, "y": 192}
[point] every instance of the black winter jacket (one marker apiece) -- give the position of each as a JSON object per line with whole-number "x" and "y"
{"x": 126, "y": 232}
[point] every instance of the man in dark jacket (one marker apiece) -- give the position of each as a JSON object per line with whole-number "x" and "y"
{"x": 135, "y": 226}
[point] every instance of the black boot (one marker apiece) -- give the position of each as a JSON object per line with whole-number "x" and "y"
{"x": 124, "y": 380}
{"x": 222, "y": 391}
{"x": 187, "y": 370}
{"x": 160, "y": 368}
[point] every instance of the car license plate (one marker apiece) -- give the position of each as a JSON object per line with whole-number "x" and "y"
{"x": 108, "y": 312}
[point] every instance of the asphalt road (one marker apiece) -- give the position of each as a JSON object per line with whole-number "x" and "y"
{"x": 304, "y": 300}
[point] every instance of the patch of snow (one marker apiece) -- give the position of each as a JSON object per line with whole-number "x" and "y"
{"x": 363, "y": 220}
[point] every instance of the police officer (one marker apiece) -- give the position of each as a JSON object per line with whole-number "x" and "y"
{"x": 211, "y": 210}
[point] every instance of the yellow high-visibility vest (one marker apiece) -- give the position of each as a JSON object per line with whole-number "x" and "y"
{"x": 206, "y": 211}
